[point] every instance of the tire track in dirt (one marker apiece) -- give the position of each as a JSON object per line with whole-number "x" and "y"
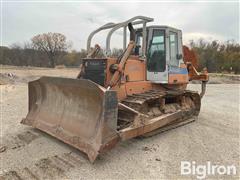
{"x": 20, "y": 140}
{"x": 54, "y": 167}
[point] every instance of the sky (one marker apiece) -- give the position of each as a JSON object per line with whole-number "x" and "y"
{"x": 208, "y": 20}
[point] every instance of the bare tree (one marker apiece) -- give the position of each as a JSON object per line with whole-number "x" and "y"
{"x": 53, "y": 44}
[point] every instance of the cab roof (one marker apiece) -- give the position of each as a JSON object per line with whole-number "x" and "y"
{"x": 161, "y": 27}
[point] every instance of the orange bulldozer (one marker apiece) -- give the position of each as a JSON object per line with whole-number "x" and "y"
{"x": 139, "y": 93}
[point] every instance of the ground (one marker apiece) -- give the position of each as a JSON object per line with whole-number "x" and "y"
{"x": 27, "y": 153}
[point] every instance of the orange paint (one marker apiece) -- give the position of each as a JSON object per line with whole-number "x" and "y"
{"x": 133, "y": 80}
{"x": 177, "y": 78}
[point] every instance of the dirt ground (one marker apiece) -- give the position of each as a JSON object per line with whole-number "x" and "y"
{"x": 27, "y": 153}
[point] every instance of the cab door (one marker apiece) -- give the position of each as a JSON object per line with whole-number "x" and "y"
{"x": 173, "y": 49}
{"x": 157, "y": 56}
{"x": 177, "y": 71}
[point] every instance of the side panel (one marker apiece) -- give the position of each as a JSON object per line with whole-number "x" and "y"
{"x": 133, "y": 79}
{"x": 135, "y": 70}
{"x": 178, "y": 75}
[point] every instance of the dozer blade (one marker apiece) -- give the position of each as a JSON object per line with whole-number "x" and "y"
{"x": 78, "y": 112}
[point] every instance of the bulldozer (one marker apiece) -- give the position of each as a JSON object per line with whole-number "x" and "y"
{"x": 141, "y": 92}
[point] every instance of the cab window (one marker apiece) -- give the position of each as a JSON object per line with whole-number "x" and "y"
{"x": 173, "y": 49}
{"x": 156, "y": 61}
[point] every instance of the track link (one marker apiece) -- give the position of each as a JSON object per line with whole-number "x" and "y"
{"x": 155, "y": 103}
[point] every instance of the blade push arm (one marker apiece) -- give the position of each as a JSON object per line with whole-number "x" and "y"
{"x": 190, "y": 59}
{"x": 119, "y": 70}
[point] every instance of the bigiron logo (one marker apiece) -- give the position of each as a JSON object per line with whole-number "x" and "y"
{"x": 201, "y": 171}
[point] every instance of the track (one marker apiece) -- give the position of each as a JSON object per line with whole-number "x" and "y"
{"x": 155, "y": 103}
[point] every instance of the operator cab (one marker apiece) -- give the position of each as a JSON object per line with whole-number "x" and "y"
{"x": 163, "y": 52}
{"x": 159, "y": 47}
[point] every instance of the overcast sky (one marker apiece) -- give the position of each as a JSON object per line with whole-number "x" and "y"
{"x": 23, "y": 20}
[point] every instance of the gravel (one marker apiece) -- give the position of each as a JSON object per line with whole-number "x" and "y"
{"x": 31, "y": 153}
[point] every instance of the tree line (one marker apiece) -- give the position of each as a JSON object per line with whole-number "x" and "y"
{"x": 216, "y": 56}
{"x": 51, "y": 49}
